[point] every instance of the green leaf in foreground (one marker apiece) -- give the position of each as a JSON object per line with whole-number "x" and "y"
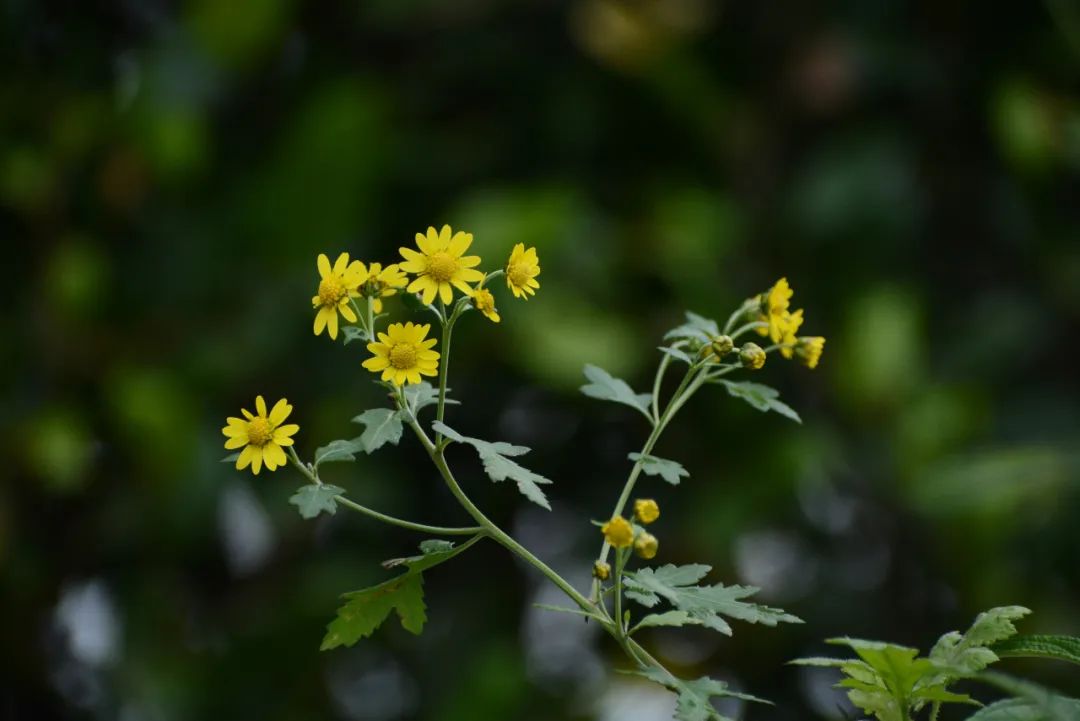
{"x": 382, "y": 426}
{"x": 705, "y": 605}
{"x": 603, "y": 386}
{"x": 760, "y": 396}
{"x": 959, "y": 655}
{"x": 1022, "y": 709}
{"x": 670, "y": 471}
{"x": 498, "y": 465}
{"x": 336, "y": 451}
{"x": 695, "y": 696}
{"x": 1060, "y": 648}
{"x": 314, "y": 499}
{"x": 423, "y": 394}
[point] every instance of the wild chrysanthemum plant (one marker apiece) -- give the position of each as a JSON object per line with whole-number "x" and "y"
{"x": 625, "y": 596}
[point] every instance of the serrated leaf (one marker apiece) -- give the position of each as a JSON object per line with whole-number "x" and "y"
{"x": 603, "y": 386}
{"x": 647, "y": 585}
{"x": 667, "y": 618}
{"x": 1061, "y": 648}
{"x": 364, "y": 611}
{"x": 354, "y": 332}
{"x": 677, "y": 354}
{"x": 336, "y": 451}
{"x": 670, "y": 471}
{"x": 965, "y": 655}
{"x": 423, "y": 394}
{"x": 695, "y": 696}
{"x": 381, "y": 426}
{"x": 696, "y": 327}
{"x": 499, "y": 467}
{"x": 760, "y": 396}
{"x": 314, "y": 499}
{"x": 1022, "y": 709}
{"x": 1051, "y": 705}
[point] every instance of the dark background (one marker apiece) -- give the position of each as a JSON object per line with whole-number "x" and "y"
{"x": 168, "y": 172}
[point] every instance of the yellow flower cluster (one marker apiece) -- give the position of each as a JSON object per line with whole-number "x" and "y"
{"x": 340, "y": 283}
{"x": 781, "y": 325}
{"x": 620, "y": 533}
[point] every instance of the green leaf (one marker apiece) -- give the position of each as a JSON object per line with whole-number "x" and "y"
{"x": 435, "y": 545}
{"x": 695, "y": 696}
{"x": 314, "y": 499}
{"x": 670, "y": 471}
{"x": 1061, "y": 648}
{"x": 605, "y": 387}
{"x": 966, "y": 655}
{"x": 382, "y": 426}
{"x": 667, "y": 618}
{"x": 696, "y": 327}
{"x": 1044, "y": 704}
{"x": 498, "y": 465}
{"x": 364, "y": 611}
{"x": 423, "y": 394}
{"x": 1022, "y": 709}
{"x": 231, "y": 458}
{"x": 335, "y": 451}
{"x": 354, "y": 332}
{"x": 707, "y": 605}
{"x": 677, "y": 355}
{"x": 760, "y": 396}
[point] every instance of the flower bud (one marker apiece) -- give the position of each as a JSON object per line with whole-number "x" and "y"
{"x": 809, "y": 349}
{"x": 721, "y": 345}
{"x": 646, "y": 545}
{"x": 752, "y": 356}
{"x": 646, "y": 510}
{"x": 601, "y": 571}
{"x": 618, "y": 532}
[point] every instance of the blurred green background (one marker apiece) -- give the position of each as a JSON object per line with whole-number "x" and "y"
{"x": 168, "y": 172}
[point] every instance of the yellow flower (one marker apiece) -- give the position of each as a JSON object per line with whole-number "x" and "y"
{"x": 261, "y": 436}
{"x": 601, "y": 571}
{"x": 440, "y": 264}
{"x": 618, "y": 532}
{"x": 809, "y": 350}
{"x": 752, "y": 356}
{"x": 646, "y": 545}
{"x": 791, "y": 323}
{"x": 774, "y": 304}
{"x": 521, "y": 271}
{"x": 484, "y": 302}
{"x": 646, "y": 510}
{"x": 336, "y": 286}
{"x": 403, "y": 355}
{"x": 382, "y": 283}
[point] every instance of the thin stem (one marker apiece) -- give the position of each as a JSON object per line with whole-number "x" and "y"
{"x": 620, "y": 625}
{"x": 665, "y": 360}
{"x": 372, "y": 513}
{"x": 934, "y": 710}
{"x": 371, "y": 318}
{"x": 739, "y": 313}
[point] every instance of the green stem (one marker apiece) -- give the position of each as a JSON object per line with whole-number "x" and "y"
{"x": 661, "y": 369}
{"x": 313, "y": 477}
{"x": 620, "y": 625}
{"x": 934, "y": 710}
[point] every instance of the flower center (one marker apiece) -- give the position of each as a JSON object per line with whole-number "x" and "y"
{"x": 403, "y": 356}
{"x": 259, "y": 432}
{"x": 331, "y": 290}
{"x": 442, "y": 266}
{"x": 517, "y": 274}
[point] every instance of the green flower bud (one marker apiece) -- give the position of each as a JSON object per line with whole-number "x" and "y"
{"x": 752, "y": 356}
{"x": 601, "y": 571}
{"x": 720, "y": 346}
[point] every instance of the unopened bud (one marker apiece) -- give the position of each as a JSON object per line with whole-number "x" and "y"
{"x": 721, "y": 345}
{"x": 646, "y": 510}
{"x": 646, "y": 545}
{"x": 601, "y": 571}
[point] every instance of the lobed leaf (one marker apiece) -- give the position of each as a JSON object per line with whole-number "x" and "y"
{"x": 354, "y": 332}
{"x": 670, "y": 471}
{"x": 965, "y": 655}
{"x": 495, "y": 458}
{"x": 336, "y": 451}
{"x": 423, "y": 394}
{"x": 314, "y": 499}
{"x": 382, "y": 426}
{"x": 695, "y": 696}
{"x": 365, "y": 610}
{"x": 603, "y": 386}
{"x": 760, "y": 396}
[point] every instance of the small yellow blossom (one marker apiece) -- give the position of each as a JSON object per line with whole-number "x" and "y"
{"x": 337, "y": 285}
{"x": 484, "y": 302}
{"x": 809, "y": 350}
{"x": 646, "y": 545}
{"x": 774, "y": 310}
{"x": 646, "y": 510}
{"x": 618, "y": 532}
{"x": 792, "y": 322}
{"x": 752, "y": 356}
{"x": 601, "y": 571}
{"x": 440, "y": 266}
{"x": 403, "y": 355}
{"x": 261, "y": 435}
{"x": 382, "y": 283}
{"x": 521, "y": 271}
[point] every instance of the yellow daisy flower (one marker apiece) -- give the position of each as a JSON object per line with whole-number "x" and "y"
{"x": 382, "y": 283}
{"x": 774, "y": 309}
{"x": 484, "y": 302}
{"x": 440, "y": 266}
{"x": 809, "y": 350}
{"x": 521, "y": 271}
{"x": 790, "y": 325}
{"x": 337, "y": 285}
{"x": 261, "y": 435}
{"x": 403, "y": 355}
{"x": 618, "y": 532}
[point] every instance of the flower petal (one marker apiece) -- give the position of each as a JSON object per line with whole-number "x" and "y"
{"x": 459, "y": 243}
{"x": 341, "y": 264}
{"x": 332, "y": 324}
{"x": 324, "y": 266}
{"x": 260, "y": 406}
{"x": 280, "y": 412}
{"x": 245, "y": 458}
{"x": 236, "y": 442}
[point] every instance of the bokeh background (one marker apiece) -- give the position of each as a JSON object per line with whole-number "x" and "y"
{"x": 168, "y": 172}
